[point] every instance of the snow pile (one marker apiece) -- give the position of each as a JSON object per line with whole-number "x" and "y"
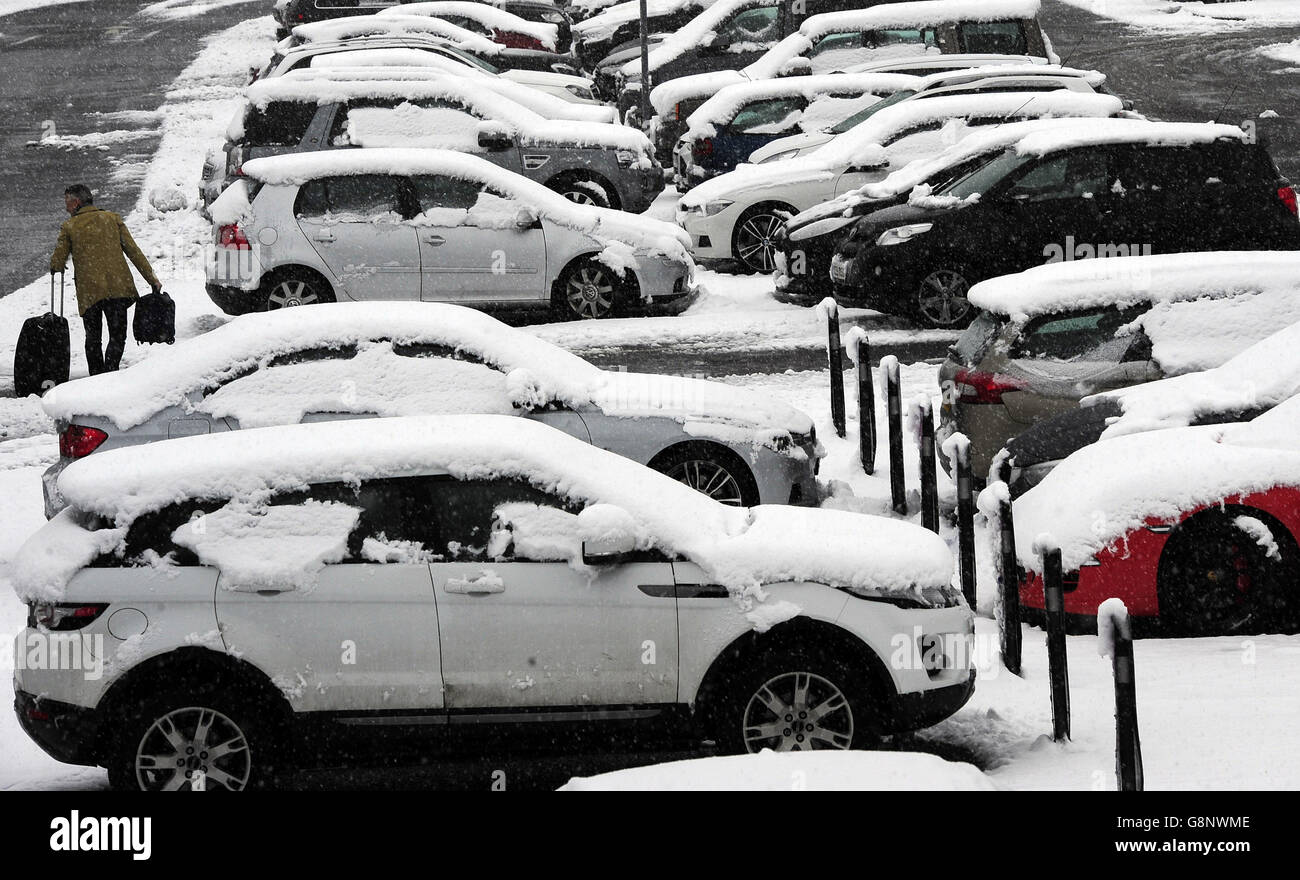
{"x": 42, "y": 568}
{"x": 1260, "y": 377}
{"x": 1156, "y": 134}
{"x": 1112, "y": 623}
{"x": 529, "y": 127}
{"x": 742, "y": 549}
{"x": 488, "y": 16}
{"x": 1099, "y": 494}
{"x": 1193, "y": 16}
{"x": 373, "y": 28}
{"x": 795, "y": 771}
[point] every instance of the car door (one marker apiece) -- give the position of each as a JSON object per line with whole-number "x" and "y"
{"x": 756, "y": 125}
{"x": 838, "y": 51}
{"x": 362, "y": 635}
{"x": 357, "y": 225}
{"x": 523, "y": 625}
{"x": 475, "y": 245}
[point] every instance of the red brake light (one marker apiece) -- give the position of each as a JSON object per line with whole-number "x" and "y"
{"x": 702, "y": 147}
{"x": 231, "y": 236}
{"x": 677, "y": 112}
{"x": 514, "y": 40}
{"x": 64, "y": 617}
{"x": 78, "y": 441}
{"x": 1287, "y": 195}
{"x": 974, "y": 386}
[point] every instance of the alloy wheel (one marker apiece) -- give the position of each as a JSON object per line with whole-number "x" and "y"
{"x": 942, "y": 297}
{"x": 292, "y": 292}
{"x": 192, "y": 748}
{"x": 710, "y": 478}
{"x": 797, "y": 711}
{"x": 755, "y": 241}
{"x": 589, "y": 292}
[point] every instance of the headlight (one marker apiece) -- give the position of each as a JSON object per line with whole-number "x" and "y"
{"x": 1034, "y": 474}
{"x": 931, "y": 597}
{"x": 900, "y": 234}
{"x": 708, "y": 209}
{"x": 580, "y": 92}
{"x": 777, "y": 157}
{"x": 626, "y": 158}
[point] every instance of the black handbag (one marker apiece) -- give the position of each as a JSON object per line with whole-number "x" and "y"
{"x": 155, "y": 319}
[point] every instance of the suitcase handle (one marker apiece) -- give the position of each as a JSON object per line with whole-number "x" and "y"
{"x": 61, "y": 281}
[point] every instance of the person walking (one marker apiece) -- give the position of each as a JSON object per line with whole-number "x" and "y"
{"x": 100, "y": 244}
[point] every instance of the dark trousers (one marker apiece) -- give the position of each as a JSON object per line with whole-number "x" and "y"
{"x": 114, "y": 311}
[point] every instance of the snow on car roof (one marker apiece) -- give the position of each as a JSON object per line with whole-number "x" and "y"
{"x": 489, "y": 103}
{"x": 488, "y": 16}
{"x": 918, "y": 14}
{"x": 739, "y": 548}
{"x": 432, "y": 29}
{"x": 1157, "y": 134}
{"x": 545, "y": 105}
{"x": 1094, "y": 498}
{"x": 1261, "y": 376}
{"x": 1020, "y": 68}
{"x": 1072, "y": 285}
{"x": 861, "y": 145}
{"x": 724, "y": 105}
{"x": 546, "y": 373}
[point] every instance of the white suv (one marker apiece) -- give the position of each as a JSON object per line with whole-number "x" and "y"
{"x": 251, "y": 602}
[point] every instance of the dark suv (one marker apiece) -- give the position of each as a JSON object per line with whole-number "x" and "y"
{"x": 1117, "y": 188}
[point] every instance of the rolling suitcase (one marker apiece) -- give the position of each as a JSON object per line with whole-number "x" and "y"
{"x": 42, "y": 355}
{"x": 155, "y": 318}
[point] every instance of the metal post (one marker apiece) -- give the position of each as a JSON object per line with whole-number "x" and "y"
{"x": 929, "y": 478}
{"x": 645, "y": 67}
{"x": 835, "y": 356}
{"x": 1057, "y": 668}
{"x": 866, "y": 408}
{"x": 965, "y": 518}
{"x": 894, "y": 412}
{"x": 1009, "y": 584}
{"x": 1128, "y": 745}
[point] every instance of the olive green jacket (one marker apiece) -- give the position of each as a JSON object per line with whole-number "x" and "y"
{"x": 97, "y": 240}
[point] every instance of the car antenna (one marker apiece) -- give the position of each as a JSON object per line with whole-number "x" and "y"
{"x": 1065, "y": 62}
{"x": 1231, "y": 95}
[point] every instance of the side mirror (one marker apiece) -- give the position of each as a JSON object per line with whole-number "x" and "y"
{"x": 796, "y": 67}
{"x": 494, "y": 138}
{"x": 525, "y": 217}
{"x": 609, "y": 535}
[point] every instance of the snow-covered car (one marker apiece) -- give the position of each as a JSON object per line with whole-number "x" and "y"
{"x": 1195, "y": 529}
{"x": 349, "y": 360}
{"x": 806, "y": 243}
{"x": 425, "y": 224}
{"x": 501, "y": 26}
{"x": 854, "y": 41}
{"x": 1115, "y": 187}
{"x": 1049, "y": 336}
{"x": 483, "y": 569}
{"x": 590, "y": 162}
{"x": 596, "y": 36}
{"x": 984, "y": 80}
{"x": 1244, "y": 386}
{"x": 741, "y": 118}
{"x": 736, "y": 215}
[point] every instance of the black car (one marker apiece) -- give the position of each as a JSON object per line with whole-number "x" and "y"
{"x": 291, "y": 13}
{"x": 1124, "y": 191}
{"x": 591, "y": 50}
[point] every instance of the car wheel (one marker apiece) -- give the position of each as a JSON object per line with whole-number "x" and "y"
{"x": 290, "y": 291}
{"x": 584, "y": 192}
{"x": 191, "y": 741}
{"x": 1216, "y": 579}
{"x": 588, "y": 289}
{"x": 798, "y": 700}
{"x": 941, "y": 298}
{"x": 722, "y": 477}
{"x": 753, "y": 239}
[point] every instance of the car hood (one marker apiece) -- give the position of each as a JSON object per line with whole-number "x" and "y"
{"x": 804, "y": 143}
{"x": 901, "y": 215}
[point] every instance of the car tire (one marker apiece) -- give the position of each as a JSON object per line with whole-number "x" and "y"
{"x": 1215, "y": 579}
{"x": 797, "y": 699}
{"x": 585, "y": 191}
{"x": 940, "y": 296}
{"x": 292, "y": 289}
{"x": 170, "y": 731}
{"x": 752, "y": 244}
{"x": 714, "y": 471}
{"x": 588, "y": 289}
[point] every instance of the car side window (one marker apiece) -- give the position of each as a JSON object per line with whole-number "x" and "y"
{"x": 1092, "y": 335}
{"x": 993, "y": 37}
{"x": 1072, "y": 175}
{"x": 433, "y": 191}
{"x": 768, "y": 117}
{"x": 472, "y": 512}
{"x": 279, "y": 123}
{"x": 758, "y": 25}
{"x": 149, "y": 539}
{"x": 364, "y": 196}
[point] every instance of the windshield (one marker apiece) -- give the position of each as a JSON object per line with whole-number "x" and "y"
{"x": 863, "y": 115}
{"x": 469, "y": 59}
{"x": 987, "y": 176}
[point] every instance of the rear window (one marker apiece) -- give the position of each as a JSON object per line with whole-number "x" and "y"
{"x": 975, "y": 341}
{"x": 1089, "y": 335}
{"x": 994, "y": 38}
{"x": 1177, "y": 168}
{"x": 279, "y": 124}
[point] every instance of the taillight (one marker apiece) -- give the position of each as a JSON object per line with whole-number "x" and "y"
{"x": 231, "y": 236}
{"x": 64, "y": 616}
{"x": 974, "y": 386}
{"x": 677, "y": 112}
{"x": 1287, "y": 195}
{"x": 702, "y": 147}
{"x": 515, "y": 40}
{"x": 78, "y": 441}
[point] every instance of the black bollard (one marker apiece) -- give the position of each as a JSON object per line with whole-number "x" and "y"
{"x": 965, "y": 517}
{"x": 866, "y": 408}
{"x": 894, "y": 412}
{"x": 1058, "y": 672}
{"x": 1128, "y": 745}
{"x": 1009, "y": 584}
{"x": 835, "y": 355}
{"x": 929, "y": 476}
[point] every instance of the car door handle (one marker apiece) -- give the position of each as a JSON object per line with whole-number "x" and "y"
{"x": 481, "y": 583}
{"x": 435, "y": 240}
{"x": 324, "y": 236}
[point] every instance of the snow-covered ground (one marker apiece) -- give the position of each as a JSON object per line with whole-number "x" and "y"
{"x": 1192, "y": 16}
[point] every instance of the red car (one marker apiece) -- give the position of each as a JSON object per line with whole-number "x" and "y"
{"x": 1196, "y": 529}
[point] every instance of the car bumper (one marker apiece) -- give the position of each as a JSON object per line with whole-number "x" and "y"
{"x": 234, "y": 300}
{"x": 917, "y": 710}
{"x": 710, "y": 236}
{"x": 649, "y": 184}
{"x": 65, "y": 732}
{"x": 54, "y": 501}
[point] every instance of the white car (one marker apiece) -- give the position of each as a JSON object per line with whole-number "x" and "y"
{"x": 371, "y": 360}
{"x": 408, "y": 582}
{"x": 737, "y": 215}
{"x": 501, "y": 26}
{"x": 433, "y": 225}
